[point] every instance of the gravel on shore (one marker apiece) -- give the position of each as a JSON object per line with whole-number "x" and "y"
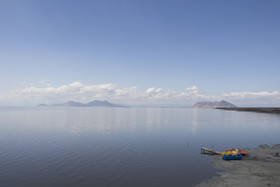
{"x": 261, "y": 167}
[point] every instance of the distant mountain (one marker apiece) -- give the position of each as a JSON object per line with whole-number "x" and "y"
{"x": 221, "y": 104}
{"x": 95, "y": 103}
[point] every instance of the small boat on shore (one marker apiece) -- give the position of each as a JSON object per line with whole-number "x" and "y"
{"x": 233, "y": 154}
{"x": 238, "y": 156}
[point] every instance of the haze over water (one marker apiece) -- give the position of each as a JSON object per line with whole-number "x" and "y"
{"x": 51, "y": 146}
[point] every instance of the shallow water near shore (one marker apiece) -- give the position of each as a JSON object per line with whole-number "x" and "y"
{"x": 56, "y": 146}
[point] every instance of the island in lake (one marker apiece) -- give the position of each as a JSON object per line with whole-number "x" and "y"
{"x": 215, "y": 104}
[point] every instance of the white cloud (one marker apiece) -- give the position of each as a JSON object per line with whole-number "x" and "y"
{"x": 252, "y": 94}
{"x": 72, "y": 89}
{"x": 193, "y": 88}
{"x": 84, "y": 93}
{"x": 153, "y": 91}
{"x": 262, "y": 98}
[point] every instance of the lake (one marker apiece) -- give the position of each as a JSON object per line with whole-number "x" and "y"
{"x": 57, "y": 146}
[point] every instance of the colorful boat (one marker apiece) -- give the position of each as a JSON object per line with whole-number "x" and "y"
{"x": 242, "y": 151}
{"x": 233, "y": 154}
{"x": 238, "y": 156}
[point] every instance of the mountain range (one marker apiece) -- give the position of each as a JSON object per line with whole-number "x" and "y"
{"x": 95, "y": 103}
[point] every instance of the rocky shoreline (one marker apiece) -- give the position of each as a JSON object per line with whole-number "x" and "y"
{"x": 261, "y": 167}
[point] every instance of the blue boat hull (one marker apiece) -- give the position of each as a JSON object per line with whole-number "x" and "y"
{"x": 232, "y": 157}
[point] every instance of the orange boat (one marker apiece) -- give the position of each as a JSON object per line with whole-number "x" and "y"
{"x": 242, "y": 151}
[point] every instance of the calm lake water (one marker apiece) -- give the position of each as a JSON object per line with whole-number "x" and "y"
{"x": 45, "y": 146}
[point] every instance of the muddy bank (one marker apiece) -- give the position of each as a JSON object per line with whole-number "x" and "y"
{"x": 254, "y": 109}
{"x": 261, "y": 167}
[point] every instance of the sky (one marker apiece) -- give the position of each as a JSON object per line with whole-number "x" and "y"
{"x": 141, "y": 52}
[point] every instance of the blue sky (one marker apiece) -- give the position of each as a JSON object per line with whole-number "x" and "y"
{"x": 220, "y": 47}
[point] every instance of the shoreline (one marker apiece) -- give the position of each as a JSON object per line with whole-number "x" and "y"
{"x": 254, "y": 109}
{"x": 260, "y": 167}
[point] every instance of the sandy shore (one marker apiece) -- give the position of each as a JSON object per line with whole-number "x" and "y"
{"x": 260, "y": 167}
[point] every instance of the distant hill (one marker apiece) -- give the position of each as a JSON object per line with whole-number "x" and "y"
{"x": 216, "y": 104}
{"x": 95, "y": 103}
